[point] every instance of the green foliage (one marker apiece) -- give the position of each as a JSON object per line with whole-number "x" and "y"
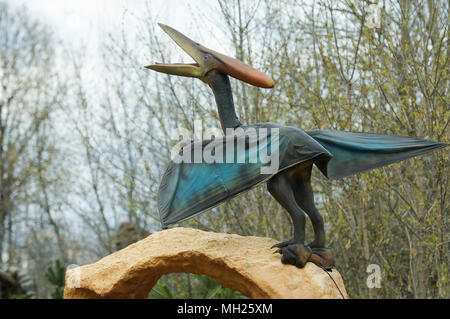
{"x": 56, "y": 276}
{"x": 161, "y": 291}
{"x": 188, "y": 286}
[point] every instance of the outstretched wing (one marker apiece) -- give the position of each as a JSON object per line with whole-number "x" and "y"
{"x": 189, "y": 188}
{"x": 355, "y": 152}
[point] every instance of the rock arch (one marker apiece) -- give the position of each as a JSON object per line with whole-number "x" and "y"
{"x": 242, "y": 263}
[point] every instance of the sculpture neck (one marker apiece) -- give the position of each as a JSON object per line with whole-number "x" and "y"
{"x": 220, "y": 84}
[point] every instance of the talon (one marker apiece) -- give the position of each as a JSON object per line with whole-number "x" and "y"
{"x": 283, "y": 244}
{"x": 278, "y": 251}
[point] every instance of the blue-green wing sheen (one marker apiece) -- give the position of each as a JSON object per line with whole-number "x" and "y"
{"x": 190, "y": 188}
{"x": 355, "y": 152}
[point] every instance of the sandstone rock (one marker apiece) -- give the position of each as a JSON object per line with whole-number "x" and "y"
{"x": 245, "y": 264}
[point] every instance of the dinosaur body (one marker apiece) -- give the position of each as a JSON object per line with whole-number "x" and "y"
{"x": 190, "y": 187}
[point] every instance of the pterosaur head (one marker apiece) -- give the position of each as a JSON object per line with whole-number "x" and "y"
{"x": 207, "y": 60}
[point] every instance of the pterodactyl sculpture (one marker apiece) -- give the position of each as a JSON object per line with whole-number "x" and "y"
{"x": 190, "y": 188}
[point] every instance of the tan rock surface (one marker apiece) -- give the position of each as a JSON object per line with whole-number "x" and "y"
{"x": 245, "y": 264}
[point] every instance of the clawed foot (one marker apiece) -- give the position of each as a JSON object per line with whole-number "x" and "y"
{"x": 315, "y": 244}
{"x": 296, "y": 254}
{"x": 299, "y": 254}
{"x": 323, "y": 257}
{"x": 283, "y": 244}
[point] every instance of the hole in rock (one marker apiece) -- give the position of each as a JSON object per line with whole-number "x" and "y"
{"x": 191, "y": 286}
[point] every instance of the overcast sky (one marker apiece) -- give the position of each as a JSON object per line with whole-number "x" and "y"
{"x": 86, "y": 23}
{"x": 79, "y": 18}
{"x": 83, "y": 23}
{"x": 90, "y": 20}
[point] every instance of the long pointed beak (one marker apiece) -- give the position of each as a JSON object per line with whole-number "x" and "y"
{"x": 191, "y": 47}
{"x": 221, "y": 62}
{"x": 190, "y": 70}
